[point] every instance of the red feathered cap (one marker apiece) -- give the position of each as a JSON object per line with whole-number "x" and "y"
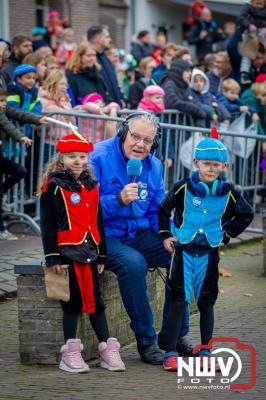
{"x": 214, "y": 133}
{"x": 74, "y": 142}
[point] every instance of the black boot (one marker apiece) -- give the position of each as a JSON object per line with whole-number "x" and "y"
{"x": 151, "y": 354}
{"x": 184, "y": 347}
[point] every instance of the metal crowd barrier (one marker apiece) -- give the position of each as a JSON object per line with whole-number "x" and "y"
{"x": 176, "y": 129}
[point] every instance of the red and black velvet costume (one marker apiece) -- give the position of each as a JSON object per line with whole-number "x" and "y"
{"x": 71, "y": 218}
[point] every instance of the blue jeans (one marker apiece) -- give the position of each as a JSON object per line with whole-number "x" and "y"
{"x": 130, "y": 261}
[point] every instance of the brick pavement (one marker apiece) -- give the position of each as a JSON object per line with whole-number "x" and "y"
{"x": 239, "y": 312}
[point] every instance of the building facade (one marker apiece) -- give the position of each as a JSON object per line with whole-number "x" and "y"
{"x": 124, "y": 17}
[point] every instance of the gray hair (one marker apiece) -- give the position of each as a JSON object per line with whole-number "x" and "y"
{"x": 147, "y": 117}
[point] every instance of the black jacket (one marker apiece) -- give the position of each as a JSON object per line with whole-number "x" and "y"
{"x": 9, "y": 67}
{"x": 109, "y": 78}
{"x": 178, "y": 95}
{"x": 204, "y": 46}
{"x": 53, "y": 215}
{"x": 237, "y": 215}
{"x": 87, "y": 81}
{"x": 7, "y": 128}
{"x": 252, "y": 15}
{"x": 135, "y": 93}
{"x": 141, "y": 50}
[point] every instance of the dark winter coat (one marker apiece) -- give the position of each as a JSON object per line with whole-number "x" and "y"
{"x": 109, "y": 78}
{"x": 135, "y": 93}
{"x": 204, "y": 46}
{"x": 216, "y": 82}
{"x": 252, "y": 15}
{"x": 158, "y": 73}
{"x": 87, "y": 81}
{"x": 235, "y": 60}
{"x": 233, "y": 106}
{"x": 205, "y": 100}
{"x": 8, "y": 129}
{"x": 8, "y": 68}
{"x": 140, "y": 50}
{"x": 178, "y": 94}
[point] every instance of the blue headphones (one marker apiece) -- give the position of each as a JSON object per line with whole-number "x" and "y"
{"x": 123, "y": 130}
{"x": 201, "y": 189}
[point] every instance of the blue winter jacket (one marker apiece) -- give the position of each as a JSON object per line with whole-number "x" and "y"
{"x": 232, "y": 106}
{"x": 205, "y": 100}
{"x": 109, "y": 166}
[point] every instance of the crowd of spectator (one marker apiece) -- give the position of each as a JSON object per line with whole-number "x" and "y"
{"x": 95, "y": 65}
{"x": 50, "y": 71}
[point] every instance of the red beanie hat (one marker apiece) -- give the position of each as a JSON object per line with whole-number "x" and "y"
{"x": 261, "y": 78}
{"x": 74, "y": 142}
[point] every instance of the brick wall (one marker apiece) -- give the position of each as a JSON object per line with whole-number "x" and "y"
{"x": 115, "y": 18}
{"x": 22, "y": 17}
{"x": 83, "y": 14}
{"x": 40, "y": 318}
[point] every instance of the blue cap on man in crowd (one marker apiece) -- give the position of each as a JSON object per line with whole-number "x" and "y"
{"x": 23, "y": 69}
{"x": 211, "y": 149}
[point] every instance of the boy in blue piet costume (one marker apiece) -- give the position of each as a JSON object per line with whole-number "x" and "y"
{"x": 208, "y": 211}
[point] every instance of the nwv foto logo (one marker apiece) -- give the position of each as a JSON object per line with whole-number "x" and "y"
{"x": 227, "y": 369}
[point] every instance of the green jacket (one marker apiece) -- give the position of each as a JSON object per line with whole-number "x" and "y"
{"x": 250, "y": 99}
{"x": 8, "y": 129}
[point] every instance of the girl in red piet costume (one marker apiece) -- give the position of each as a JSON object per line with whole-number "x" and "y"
{"x": 73, "y": 236}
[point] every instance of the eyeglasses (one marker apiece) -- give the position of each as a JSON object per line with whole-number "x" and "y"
{"x": 137, "y": 138}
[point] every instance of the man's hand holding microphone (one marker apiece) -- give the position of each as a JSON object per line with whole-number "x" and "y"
{"x": 130, "y": 191}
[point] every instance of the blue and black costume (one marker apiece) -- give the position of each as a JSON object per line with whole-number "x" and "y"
{"x": 204, "y": 218}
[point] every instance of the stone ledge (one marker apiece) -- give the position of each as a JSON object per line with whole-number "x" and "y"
{"x": 40, "y": 318}
{"x": 29, "y": 269}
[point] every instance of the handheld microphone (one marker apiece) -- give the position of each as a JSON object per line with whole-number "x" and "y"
{"x": 134, "y": 168}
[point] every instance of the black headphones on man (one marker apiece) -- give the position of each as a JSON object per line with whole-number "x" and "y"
{"x": 124, "y": 127}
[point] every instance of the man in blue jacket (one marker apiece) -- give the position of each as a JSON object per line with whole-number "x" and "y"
{"x": 131, "y": 224}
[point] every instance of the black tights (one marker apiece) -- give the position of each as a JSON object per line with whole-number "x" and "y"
{"x": 175, "y": 318}
{"x": 98, "y": 323}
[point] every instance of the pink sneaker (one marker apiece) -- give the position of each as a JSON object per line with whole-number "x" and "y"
{"x": 110, "y": 357}
{"x": 72, "y": 360}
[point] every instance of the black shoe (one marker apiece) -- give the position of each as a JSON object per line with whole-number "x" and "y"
{"x": 184, "y": 347}
{"x": 162, "y": 341}
{"x": 151, "y": 354}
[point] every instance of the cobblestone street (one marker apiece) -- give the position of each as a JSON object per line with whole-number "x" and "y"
{"x": 239, "y": 313}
